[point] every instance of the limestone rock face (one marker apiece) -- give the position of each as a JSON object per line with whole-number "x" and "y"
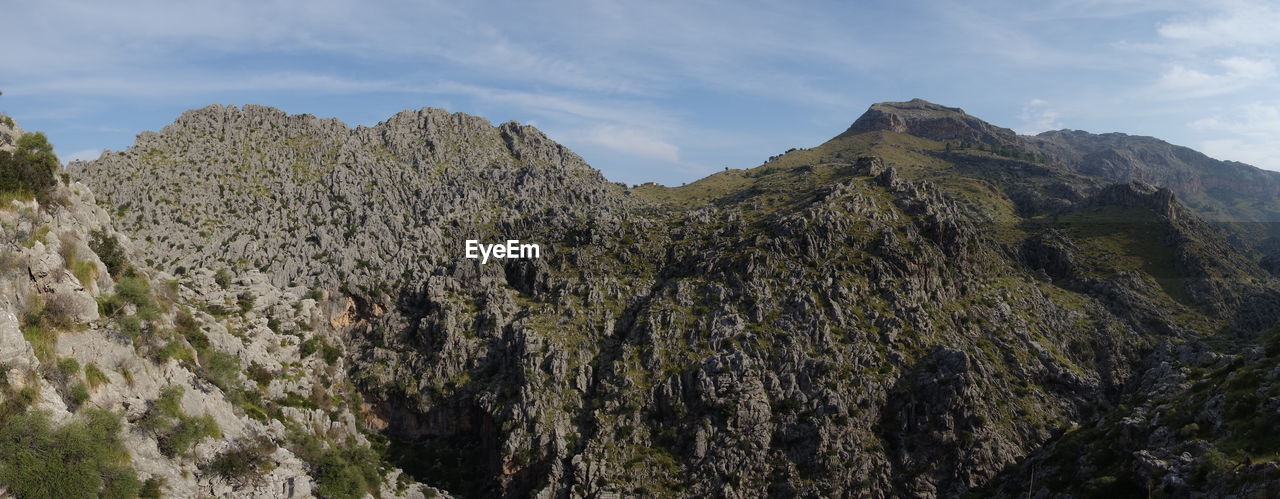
{"x": 312, "y": 201}
{"x": 9, "y": 133}
{"x": 233, "y": 351}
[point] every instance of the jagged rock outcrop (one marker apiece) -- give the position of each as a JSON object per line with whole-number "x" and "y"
{"x": 311, "y": 201}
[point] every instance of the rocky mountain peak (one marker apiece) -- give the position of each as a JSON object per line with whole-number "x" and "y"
{"x": 931, "y": 121}
{"x": 273, "y": 190}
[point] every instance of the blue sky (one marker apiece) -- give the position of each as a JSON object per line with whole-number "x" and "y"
{"x": 655, "y": 90}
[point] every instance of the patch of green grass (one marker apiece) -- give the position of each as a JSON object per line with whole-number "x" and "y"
{"x": 94, "y": 376}
{"x": 42, "y": 340}
{"x": 36, "y": 235}
{"x": 78, "y": 459}
{"x": 86, "y": 271}
{"x": 175, "y": 349}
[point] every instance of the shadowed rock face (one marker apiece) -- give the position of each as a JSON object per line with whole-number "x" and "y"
{"x": 828, "y": 324}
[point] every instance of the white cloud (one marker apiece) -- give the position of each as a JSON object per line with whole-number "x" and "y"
{"x": 1233, "y": 24}
{"x": 1237, "y": 73}
{"x": 85, "y": 155}
{"x": 1253, "y": 135}
{"x": 1038, "y": 116}
{"x": 627, "y": 141}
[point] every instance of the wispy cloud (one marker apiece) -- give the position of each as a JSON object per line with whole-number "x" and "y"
{"x": 1231, "y": 24}
{"x": 1249, "y": 133}
{"x": 1038, "y": 116}
{"x": 628, "y": 141}
{"x": 1235, "y": 74}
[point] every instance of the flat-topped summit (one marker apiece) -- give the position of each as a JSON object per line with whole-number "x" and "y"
{"x": 925, "y": 119}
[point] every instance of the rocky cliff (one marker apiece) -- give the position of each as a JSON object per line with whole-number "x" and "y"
{"x": 122, "y": 380}
{"x": 918, "y": 307}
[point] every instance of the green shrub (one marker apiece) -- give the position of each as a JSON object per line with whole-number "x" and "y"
{"x": 17, "y": 402}
{"x": 244, "y": 462}
{"x": 108, "y": 248}
{"x": 175, "y": 431}
{"x": 169, "y": 403}
{"x": 78, "y": 459}
{"x": 151, "y": 489}
{"x": 309, "y": 347}
{"x": 30, "y": 168}
{"x": 120, "y": 483}
{"x": 222, "y": 369}
{"x": 259, "y": 374}
{"x": 130, "y": 325}
{"x": 185, "y": 322}
{"x": 69, "y": 367}
{"x": 341, "y": 471}
{"x": 110, "y": 304}
{"x": 330, "y": 353}
{"x": 188, "y": 432}
{"x": 245, "y": 301}
{"x": 198, "y": 340}
{"x": 79, "y": 394}
{"x": 37, "y": 235}
{"x": 223, "y": 278}
{"x": 136, "y": 290}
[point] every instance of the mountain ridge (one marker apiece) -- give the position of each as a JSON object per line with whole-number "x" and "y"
{"x": 884, "y": 314}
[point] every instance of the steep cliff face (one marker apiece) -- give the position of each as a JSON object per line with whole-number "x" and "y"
{"x": 908, "y": 309}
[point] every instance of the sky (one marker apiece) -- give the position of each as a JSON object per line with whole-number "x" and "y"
{"x": 666, "y": 91}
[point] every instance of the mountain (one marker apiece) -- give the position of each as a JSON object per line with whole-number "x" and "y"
{"x": 925, "y": 305}
{"x": 1223, "y": 192}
